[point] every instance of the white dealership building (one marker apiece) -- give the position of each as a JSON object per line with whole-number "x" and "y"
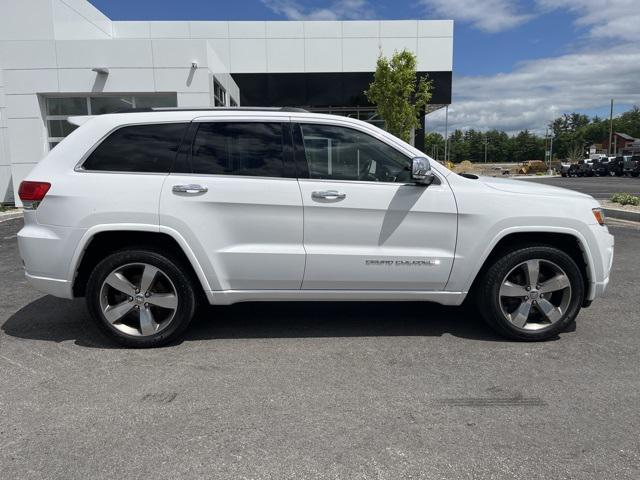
{"x": 64, "y": 57}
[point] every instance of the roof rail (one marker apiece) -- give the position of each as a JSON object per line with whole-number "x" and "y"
{"x": 214, "y": 109}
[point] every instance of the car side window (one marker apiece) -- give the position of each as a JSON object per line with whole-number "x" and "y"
{"x": 341, "y": 153}
{"x": 138, "y": 148}
{"x": 238, "y": 148}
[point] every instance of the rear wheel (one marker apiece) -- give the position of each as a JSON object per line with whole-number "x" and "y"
{"x": 531, "y": 293}
{"x": 141, "y": 298}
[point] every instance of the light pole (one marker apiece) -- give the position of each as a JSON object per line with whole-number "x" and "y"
{"x": 548, "y": 154}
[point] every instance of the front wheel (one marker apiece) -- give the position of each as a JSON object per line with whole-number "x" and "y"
{"x": 141, "y": 298}
{"x": 531, "y": 293}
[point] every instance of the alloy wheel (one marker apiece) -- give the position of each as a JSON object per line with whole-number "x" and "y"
{"x": 138, "y": 299}
{"x": 535, "y": 294}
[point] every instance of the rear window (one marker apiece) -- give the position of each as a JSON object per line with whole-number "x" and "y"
{"x": 138, "y": 148}
{"x": 237, "y": 148}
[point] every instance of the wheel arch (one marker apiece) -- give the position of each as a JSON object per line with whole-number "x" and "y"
{"x": 569, "y": 241}
{"x": 101, "y": 241}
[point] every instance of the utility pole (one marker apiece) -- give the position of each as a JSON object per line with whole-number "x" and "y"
{"x": 446, "y": 133}
{"x": 550, "y": 152}
{"x": 546, "y": 144}
{"x": 485, "y": 147}
{"x": 610, "y": 126}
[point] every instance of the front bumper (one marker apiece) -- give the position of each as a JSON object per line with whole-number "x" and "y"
{"x": 602, "y": 260}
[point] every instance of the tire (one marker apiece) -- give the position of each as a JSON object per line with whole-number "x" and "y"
{"x": 504, "y": 313}
{"x": 117, "y": 302}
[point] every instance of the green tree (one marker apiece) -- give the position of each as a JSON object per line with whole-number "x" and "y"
{"x": 527, "y": 146}
{"x": 434, "y": 145}
{"x": 628, "y": 122}
{"x": 568, "y": 133}
{"x": 399, "y": 96}
{"x": 458, "y": 148}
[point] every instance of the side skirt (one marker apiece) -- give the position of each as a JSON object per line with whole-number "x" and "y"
{"x": 228, "y": 297}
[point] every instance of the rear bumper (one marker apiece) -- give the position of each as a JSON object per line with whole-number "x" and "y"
{"x": 51, "y": 286}
{"x": 47, "y": 252}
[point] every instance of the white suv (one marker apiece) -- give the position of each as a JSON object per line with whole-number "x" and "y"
{"x": 147, "y": 214}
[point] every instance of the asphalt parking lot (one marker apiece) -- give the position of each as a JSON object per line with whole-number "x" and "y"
{"x": 600, "y": 188}
{"x": 354, "y": 391}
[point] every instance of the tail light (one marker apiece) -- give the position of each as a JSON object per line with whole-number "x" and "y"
{"x": 32, "y": 193}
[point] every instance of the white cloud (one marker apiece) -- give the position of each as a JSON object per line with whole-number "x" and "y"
{"x": 618, "y": 19}
{"x": 537, "y": 91}
{"x": 336, "y": 10}
{"x": 488, "y": 15}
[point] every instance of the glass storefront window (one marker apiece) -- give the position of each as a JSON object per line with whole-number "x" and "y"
{"x": 59, "y": 109}
{"x": 219, "y": 94}
{"x": 151, "y": 101}
{"x": 100, "y": 105}
{"x": 60, "y": 128}
{"x": 67, "y": 106}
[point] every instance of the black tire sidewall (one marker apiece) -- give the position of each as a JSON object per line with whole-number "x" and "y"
{"x": 489, "y": 301}
{"x": 175, "y": 272}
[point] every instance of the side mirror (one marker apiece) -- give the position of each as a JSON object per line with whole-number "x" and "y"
{"x": 421, "y": 171}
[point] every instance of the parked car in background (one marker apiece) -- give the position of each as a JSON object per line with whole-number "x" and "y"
{"x": 149, "y": 214}
{"x": 585, "y": 168}
{"x": 569, "y": 169}
{"x": 616, "y": 166}
{"x": 632, "y": 165}
{"x": 574, "y": 169}
{"x": 601, "y": 167}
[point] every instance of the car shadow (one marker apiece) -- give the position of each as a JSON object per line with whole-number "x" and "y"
{"x": 58, "y": 320}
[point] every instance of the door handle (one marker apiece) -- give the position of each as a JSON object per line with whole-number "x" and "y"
{"x": 329, "y": 195}
{"x": 191, "y": 189}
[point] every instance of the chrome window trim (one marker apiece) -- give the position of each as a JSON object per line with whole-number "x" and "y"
{"x": 237, "y": 177}
{"x": 273, "y": 119}
{"x": 368, "y": 182}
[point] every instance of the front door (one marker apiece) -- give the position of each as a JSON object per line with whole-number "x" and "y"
{"x": 366, "y": 225}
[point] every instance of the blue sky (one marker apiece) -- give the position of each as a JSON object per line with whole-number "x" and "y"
{"x": 517, "y": 64}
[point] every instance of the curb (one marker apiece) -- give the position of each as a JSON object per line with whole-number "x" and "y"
{"x": 525, "y": 177}
{"x": 621, "y": 214}
{"x": 5, "y": 216}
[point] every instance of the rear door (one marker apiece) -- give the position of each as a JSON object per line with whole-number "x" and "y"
{"x": 232, "y": 194}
